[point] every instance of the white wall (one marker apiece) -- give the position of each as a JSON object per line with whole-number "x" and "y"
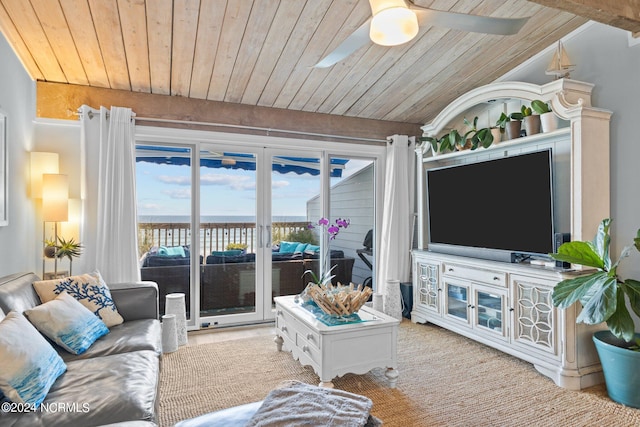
{"x": 18, "y": 240}
{"x": 604, "y": 57}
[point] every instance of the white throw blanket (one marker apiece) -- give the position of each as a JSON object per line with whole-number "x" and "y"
{"x": 299, "y": 404}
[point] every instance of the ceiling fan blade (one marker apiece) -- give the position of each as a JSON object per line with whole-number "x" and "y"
{"x": 472, "y": 23}
{"x": 355, "y": 41}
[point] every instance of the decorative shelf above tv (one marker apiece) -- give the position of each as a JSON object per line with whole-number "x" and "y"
{"x": 524, "y": 141}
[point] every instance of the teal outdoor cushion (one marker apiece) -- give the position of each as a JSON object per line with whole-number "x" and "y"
{"x": 171, "y": 251}
{"x": 288, "y": 247}
{"x": 230, "y": 252}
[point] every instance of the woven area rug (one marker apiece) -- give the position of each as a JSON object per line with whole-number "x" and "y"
{"x": 445, "y": 380}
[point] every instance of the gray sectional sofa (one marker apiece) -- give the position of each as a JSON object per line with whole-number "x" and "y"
{"x": 116, "y": 380}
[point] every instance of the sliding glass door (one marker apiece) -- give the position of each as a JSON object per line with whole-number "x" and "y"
{"x": 165, "y": 214}
{"x": 230, "y": 239}
{"x": 229, "y": 225}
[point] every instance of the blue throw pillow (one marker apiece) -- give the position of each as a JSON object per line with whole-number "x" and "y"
{"x": 29, "y": 363}
{"x": 312, "y": 248}
{"x": 288, "y": 247}
{"x": 301, "y": 247}
{"x": 171, "y": 251}
{"x": 68, "y": 323}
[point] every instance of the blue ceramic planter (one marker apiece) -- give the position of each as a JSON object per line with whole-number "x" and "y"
{"x": 621, "y": 368}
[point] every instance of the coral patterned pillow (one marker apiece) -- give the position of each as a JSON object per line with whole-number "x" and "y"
{"x": 89, "y": 289}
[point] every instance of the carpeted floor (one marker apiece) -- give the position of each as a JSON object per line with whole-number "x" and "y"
{"x": 445, "y": 380}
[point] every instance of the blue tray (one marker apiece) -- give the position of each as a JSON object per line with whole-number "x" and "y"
{"x": 328, "y": 319}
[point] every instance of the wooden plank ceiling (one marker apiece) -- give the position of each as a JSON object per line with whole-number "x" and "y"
{"x": 262, "y": 52}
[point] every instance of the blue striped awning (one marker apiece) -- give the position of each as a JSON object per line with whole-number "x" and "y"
{"x": 244, "y": 161}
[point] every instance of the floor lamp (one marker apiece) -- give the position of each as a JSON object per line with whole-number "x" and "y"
{"x": 55, "y": 207}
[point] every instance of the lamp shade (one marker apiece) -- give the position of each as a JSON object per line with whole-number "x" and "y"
{"x": 55, "y": 197}
{"x": 393, "y": 22}
{"x": 41, "y": 163}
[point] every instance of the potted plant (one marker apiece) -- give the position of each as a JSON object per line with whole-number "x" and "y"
{"x": 512, "y": 123}
{"x": 50, "y": 248}
{"x": 602, "y": 296}
{"x": 531, "y": 121}
{"x": 68, "y": 248}
{"x": 478, "y": 137}
{"x": 434, "y": 143}
{"x": 548, "y": 120}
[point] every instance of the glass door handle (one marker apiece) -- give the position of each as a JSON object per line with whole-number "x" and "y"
{"x": 268, "y": 236}
{"x": 260, "y": 236}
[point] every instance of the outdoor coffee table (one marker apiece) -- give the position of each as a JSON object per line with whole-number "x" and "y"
{"x": 334, "y": 348}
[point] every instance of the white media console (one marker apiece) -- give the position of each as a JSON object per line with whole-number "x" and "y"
{"x": 507, "y": 305}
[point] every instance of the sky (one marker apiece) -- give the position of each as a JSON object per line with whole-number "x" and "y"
{"x": 165, "y": 190}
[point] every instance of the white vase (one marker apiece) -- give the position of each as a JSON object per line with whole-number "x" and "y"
{"x": 393, "y": 300}
{"x": 169, "y": 333}
{"x": 548, "y": 121}
{"x": 175, "y": 305}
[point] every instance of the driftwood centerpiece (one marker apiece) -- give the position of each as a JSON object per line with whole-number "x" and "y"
{"x": 339, "y": 300}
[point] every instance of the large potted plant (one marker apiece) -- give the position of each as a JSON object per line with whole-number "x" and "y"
{"x": 602, "y": 296}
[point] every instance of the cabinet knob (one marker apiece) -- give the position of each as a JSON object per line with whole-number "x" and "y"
{"x": 496, "y": 278}
{"x": 450, "y": 269}
{"x": 305, "y": 348}
{"x": 511, "y": 309}
{"x": 471, "y": 306}
{"x": 284, "y": 328}
{"x": 309, "y": 336}
{"x": 279, "y": 312}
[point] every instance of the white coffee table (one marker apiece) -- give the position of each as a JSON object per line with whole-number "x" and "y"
{"x": 337, "y": 350}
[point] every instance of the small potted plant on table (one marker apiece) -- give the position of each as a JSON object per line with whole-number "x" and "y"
{"x": 602, "y": 296}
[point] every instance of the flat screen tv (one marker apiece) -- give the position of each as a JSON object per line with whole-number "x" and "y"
{"x": 499, "y": 209}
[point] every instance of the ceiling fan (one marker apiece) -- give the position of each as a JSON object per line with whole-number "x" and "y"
{"x": 394, "y": 22}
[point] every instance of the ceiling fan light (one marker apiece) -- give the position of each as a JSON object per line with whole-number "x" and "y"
{"x": 393, "y": 25}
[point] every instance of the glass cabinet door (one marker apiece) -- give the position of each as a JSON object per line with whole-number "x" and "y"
{"x": 489, "y": 310}
{"x": 457, "y": 300}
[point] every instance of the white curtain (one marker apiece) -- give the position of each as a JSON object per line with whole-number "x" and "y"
{"x": 109, "y": 231}
{"x": 394, "y": 259}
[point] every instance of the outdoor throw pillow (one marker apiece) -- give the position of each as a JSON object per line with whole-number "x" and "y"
{"x": 288, "y": 247}
{"x": 29, "y": 363}
{"x": 171, "y": 251}
{"x": 68, "y": 323}
{"x": 301, "y": 247}
{"x": 89, "y": 289}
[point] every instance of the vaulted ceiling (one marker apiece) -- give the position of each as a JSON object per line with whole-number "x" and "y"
{"x": 262, "y": 52}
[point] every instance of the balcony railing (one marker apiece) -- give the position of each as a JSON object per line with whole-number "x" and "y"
{"x": 214, "y": 236}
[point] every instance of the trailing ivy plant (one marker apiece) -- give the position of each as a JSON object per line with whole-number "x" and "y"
{"x": 602, "y": 293}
